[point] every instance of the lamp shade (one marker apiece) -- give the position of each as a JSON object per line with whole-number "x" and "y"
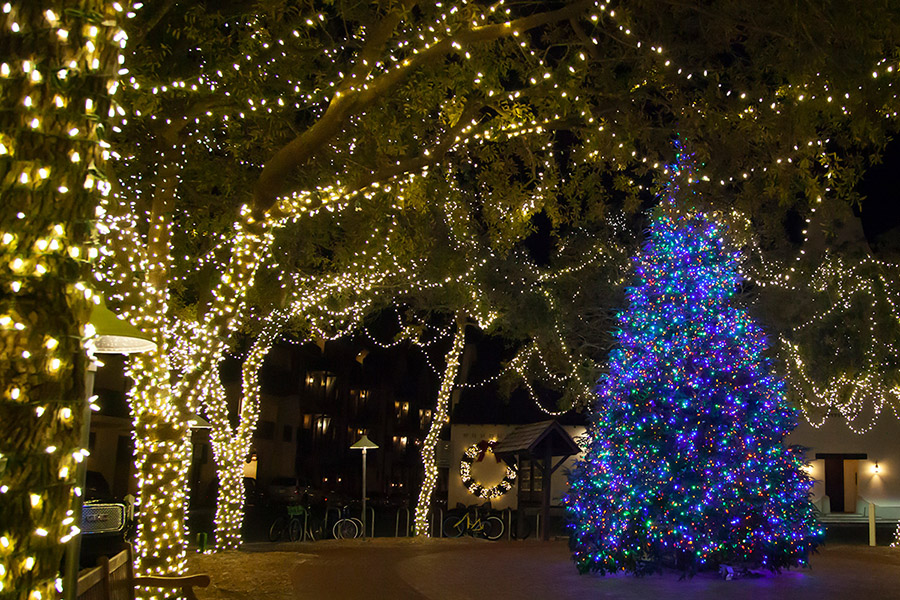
{"x": 115, "y": 336}
{"x": 364, "y": 443}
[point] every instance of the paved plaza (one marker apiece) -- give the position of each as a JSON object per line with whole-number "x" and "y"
{"x": 470, "y": 569}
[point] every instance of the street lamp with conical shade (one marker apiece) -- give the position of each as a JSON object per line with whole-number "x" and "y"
{"x": 115, "y": 335}
{"x": 364, "y": 444}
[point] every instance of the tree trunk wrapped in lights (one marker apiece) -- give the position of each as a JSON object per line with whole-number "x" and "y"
{"x": 687, "y": 465}
{"x": 228, "y": 451}
{"x": 351, "y": 105}
{"x": 162, "y": 413}
{"x": 162, "y": 454}
{"x": 231, "y": 445}
{"x": 230, "y": 503}
{"x": 58, "y": 71}
{"x": 162, "y": 449}
{"x": 439, "y": 421}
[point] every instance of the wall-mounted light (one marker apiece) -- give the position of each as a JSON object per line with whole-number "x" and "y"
{"x": 876, "y": 469}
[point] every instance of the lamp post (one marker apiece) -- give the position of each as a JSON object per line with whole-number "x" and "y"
{"x": 364, "y": 444}
{"x": 113, "y": 336}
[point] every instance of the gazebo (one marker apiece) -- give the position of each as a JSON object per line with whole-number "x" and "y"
{"x": 540, "y": 444}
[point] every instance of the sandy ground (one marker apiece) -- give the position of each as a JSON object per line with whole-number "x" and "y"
{"x": 463, "y": 569}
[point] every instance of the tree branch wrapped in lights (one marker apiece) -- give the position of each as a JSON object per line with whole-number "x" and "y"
{"x": 384, "y": 99}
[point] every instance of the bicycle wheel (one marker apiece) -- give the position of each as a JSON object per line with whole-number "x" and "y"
{"x": 295, "y": 529}
{"x": 493, "y": 528}
{"x": 277, "y": 529}
{"x": 454, "y": 526}
{"x": 345, "y": 529}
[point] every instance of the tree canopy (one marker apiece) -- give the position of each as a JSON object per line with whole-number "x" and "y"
{"x": 240, "y": 127}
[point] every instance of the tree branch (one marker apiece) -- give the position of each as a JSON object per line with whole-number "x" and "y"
{"x": 154, "y": 20}
{"x": 428, "y": 157}
{"x": 351, "y": 98}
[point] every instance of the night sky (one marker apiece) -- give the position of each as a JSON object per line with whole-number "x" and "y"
{"x": 880, "y": 211}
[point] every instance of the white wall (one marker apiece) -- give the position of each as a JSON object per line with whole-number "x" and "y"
{"x": 489, "y": 472}
{"x": 880, "y": 444}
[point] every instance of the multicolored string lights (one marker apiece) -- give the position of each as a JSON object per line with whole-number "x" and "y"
{"x": 686, "y": 465}
{"x": 345, "y": 98}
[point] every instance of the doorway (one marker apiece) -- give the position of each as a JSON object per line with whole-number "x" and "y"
{"x": 841, "y": 480}
{"x": 834, "y": 483}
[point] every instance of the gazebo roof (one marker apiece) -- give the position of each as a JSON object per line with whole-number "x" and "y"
{"x": 533, "y": 439}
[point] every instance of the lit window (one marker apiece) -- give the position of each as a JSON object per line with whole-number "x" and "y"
{"x": 424, "y": 418}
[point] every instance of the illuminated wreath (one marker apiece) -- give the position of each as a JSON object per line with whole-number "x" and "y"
{"x": 475, "y": 453}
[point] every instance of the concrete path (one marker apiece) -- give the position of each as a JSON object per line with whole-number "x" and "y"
{"x": 478, "y": 570}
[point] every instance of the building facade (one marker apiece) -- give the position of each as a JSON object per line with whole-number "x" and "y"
{"x": 853, "y": 469}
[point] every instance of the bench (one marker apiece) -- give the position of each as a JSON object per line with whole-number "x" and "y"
{"x": 113, "y": 579}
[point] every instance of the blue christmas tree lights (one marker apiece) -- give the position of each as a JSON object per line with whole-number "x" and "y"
{"x": 687, "y": 465}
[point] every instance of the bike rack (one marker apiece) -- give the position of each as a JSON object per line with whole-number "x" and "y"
{"x": 440, "y": 522}
{"x": 328, "y": 524}
{"x": 397, "y": 524}
{"x": 508, "y": 512}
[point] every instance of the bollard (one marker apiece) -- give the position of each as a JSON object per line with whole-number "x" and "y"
{"x": 201, "y": 541}
{"x": 306, "y": 531}
{"x": 371, "y": 522}
{"x": 871, "y": 523}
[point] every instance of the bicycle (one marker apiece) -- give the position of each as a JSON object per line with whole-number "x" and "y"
{"x": 296, "y": 523}
{"x": 347, "y": 528}
{"x": 471, "y": 523}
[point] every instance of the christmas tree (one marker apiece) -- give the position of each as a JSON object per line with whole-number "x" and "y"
{"x": 686, "y": 464}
